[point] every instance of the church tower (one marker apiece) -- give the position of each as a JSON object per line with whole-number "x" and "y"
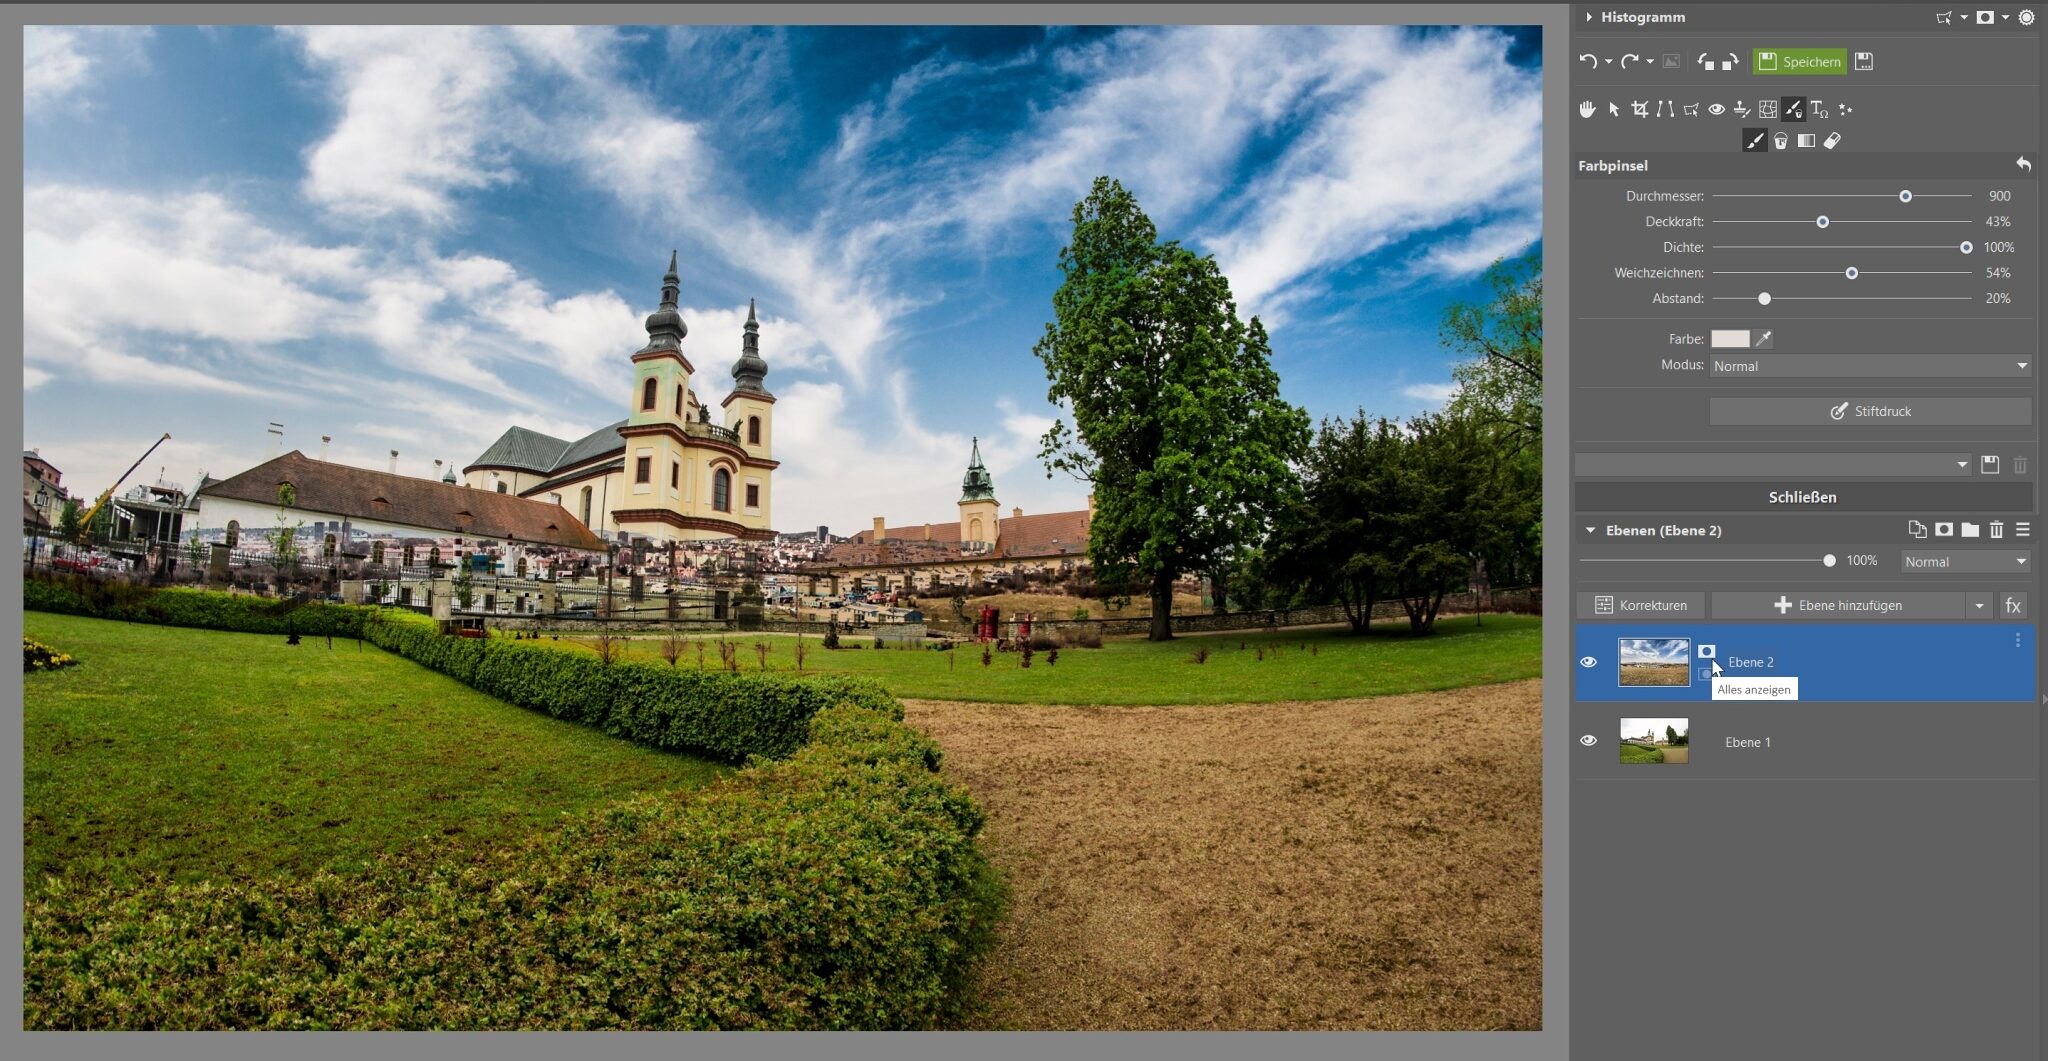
{"x": 750, "y": 413}
{"x": 661, "y": 374}
{"x": 978, "y": 508}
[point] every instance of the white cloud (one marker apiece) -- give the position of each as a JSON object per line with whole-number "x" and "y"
{"x": 1481, "y": 247}
{"x": 58, "y": 61}
{"x": 716, "y": 334}
{"x": 194, "y": 267}
{"x": 33, "y": 377}
{"x": 1431, "y": 393}
{"x": 94, "y": 259}
{"x": 422, "y": 117}
{"x": 1398, "y": 135}
{"x": 846, "y": 460}
{"x": 1425, "y": 135}
{"x": 422, "y": 123}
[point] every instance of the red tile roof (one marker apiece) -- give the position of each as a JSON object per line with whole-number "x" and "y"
{"x": 1046, "y": 534}
{"x": 340, "y": 490}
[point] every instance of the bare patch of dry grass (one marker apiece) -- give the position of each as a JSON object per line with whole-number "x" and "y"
{"x": 1371, "y": 863}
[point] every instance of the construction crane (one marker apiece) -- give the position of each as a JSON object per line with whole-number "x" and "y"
{"x": 108, "y": 495}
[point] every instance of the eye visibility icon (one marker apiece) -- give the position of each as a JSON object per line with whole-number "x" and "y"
{"x": 1588, "y": 662}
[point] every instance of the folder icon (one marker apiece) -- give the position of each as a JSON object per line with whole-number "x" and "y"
{"x": 1971, "y": 530}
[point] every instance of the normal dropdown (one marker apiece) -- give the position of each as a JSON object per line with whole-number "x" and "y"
{"x": 1965, "y": 561}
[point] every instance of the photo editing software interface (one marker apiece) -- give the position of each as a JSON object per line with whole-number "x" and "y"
{"x": 1805, "y": 530}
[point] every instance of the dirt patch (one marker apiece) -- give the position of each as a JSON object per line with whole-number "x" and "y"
{"x": 1369, "y": 863}
{"x": 1678, "y": 755}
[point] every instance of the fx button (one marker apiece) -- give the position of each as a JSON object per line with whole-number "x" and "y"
{"x": 2012, "y": 606}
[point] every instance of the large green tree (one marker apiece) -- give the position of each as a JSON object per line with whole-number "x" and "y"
{"x": 1177, "y": 415}
{"x": 1332, "y": 543}
{"x": 1501, "y": 391}
{"x": 1502, "y": 383}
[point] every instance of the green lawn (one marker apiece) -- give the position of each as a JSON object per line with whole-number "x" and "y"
{"x": 1321, "y": 664}
{"x": 212, "y": 755}
{"x": 1635, "y": 754}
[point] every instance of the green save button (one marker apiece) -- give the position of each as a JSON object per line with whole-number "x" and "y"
{"x": 1796, "y": 62}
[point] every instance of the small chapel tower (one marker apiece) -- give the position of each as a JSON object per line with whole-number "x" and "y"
{"x": 978, "y": 507}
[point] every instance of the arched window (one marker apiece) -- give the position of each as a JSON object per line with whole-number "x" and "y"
{"x": 753, "y": 431}
{"x": 586, "y": 506}
{"x": 408, "y": 556}
{"x": 679, "y": 399}
{"x": 721, "y": 490}
{"x": 234, "y": 533}
{"x": 501, "y": 488}
{"x": 327, "y": 547}
{"x": 974, "y": 530}
{"x": 376, "y": 552}
{"x": 647, "y": 395}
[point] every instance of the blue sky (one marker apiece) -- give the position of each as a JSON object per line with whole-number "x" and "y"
{"x": 1655, "y": 650}
{"x": 413, "y": 238}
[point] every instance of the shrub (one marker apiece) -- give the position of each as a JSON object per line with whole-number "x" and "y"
{"x": 1081, "y": 640}
{"x": 1041, "y": 642}
{"x": 1201, "y": 655}
{"x": 37, "y": 656}
{"x": 739, "y": 906}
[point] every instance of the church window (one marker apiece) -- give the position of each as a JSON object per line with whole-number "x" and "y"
{"x": 643, "y": 469}
{"x": 974, "y": 529}
{"x": 647, "y": 395}
{"x": 753, "y": 431}
{"x": 675, "y": 475}
{"x": 586, "y": 506}
{"x": 753, "y": 495}
{"x": 501, "y": 488}
{"x": 679, "y": 399}
{"x": 234, "y": 533}
{"x": 721, "y": 490}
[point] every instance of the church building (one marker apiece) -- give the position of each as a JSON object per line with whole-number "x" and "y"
{"x": 673, "y": 469}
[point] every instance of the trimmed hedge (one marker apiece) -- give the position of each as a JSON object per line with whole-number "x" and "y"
{"x": 719, "y": 712}
{"x": 77, "y": 595}
{"x": 839, "y": 888}
{"x": 730, "y": 716}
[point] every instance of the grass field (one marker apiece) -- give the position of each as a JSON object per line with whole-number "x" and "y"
{"x": 198, "y": 754}
{"x": 1317, "y": 664}
{"x": 1636, "y": 754}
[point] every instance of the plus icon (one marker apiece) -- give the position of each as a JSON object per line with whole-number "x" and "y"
{"x": 1782, "y": 604}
